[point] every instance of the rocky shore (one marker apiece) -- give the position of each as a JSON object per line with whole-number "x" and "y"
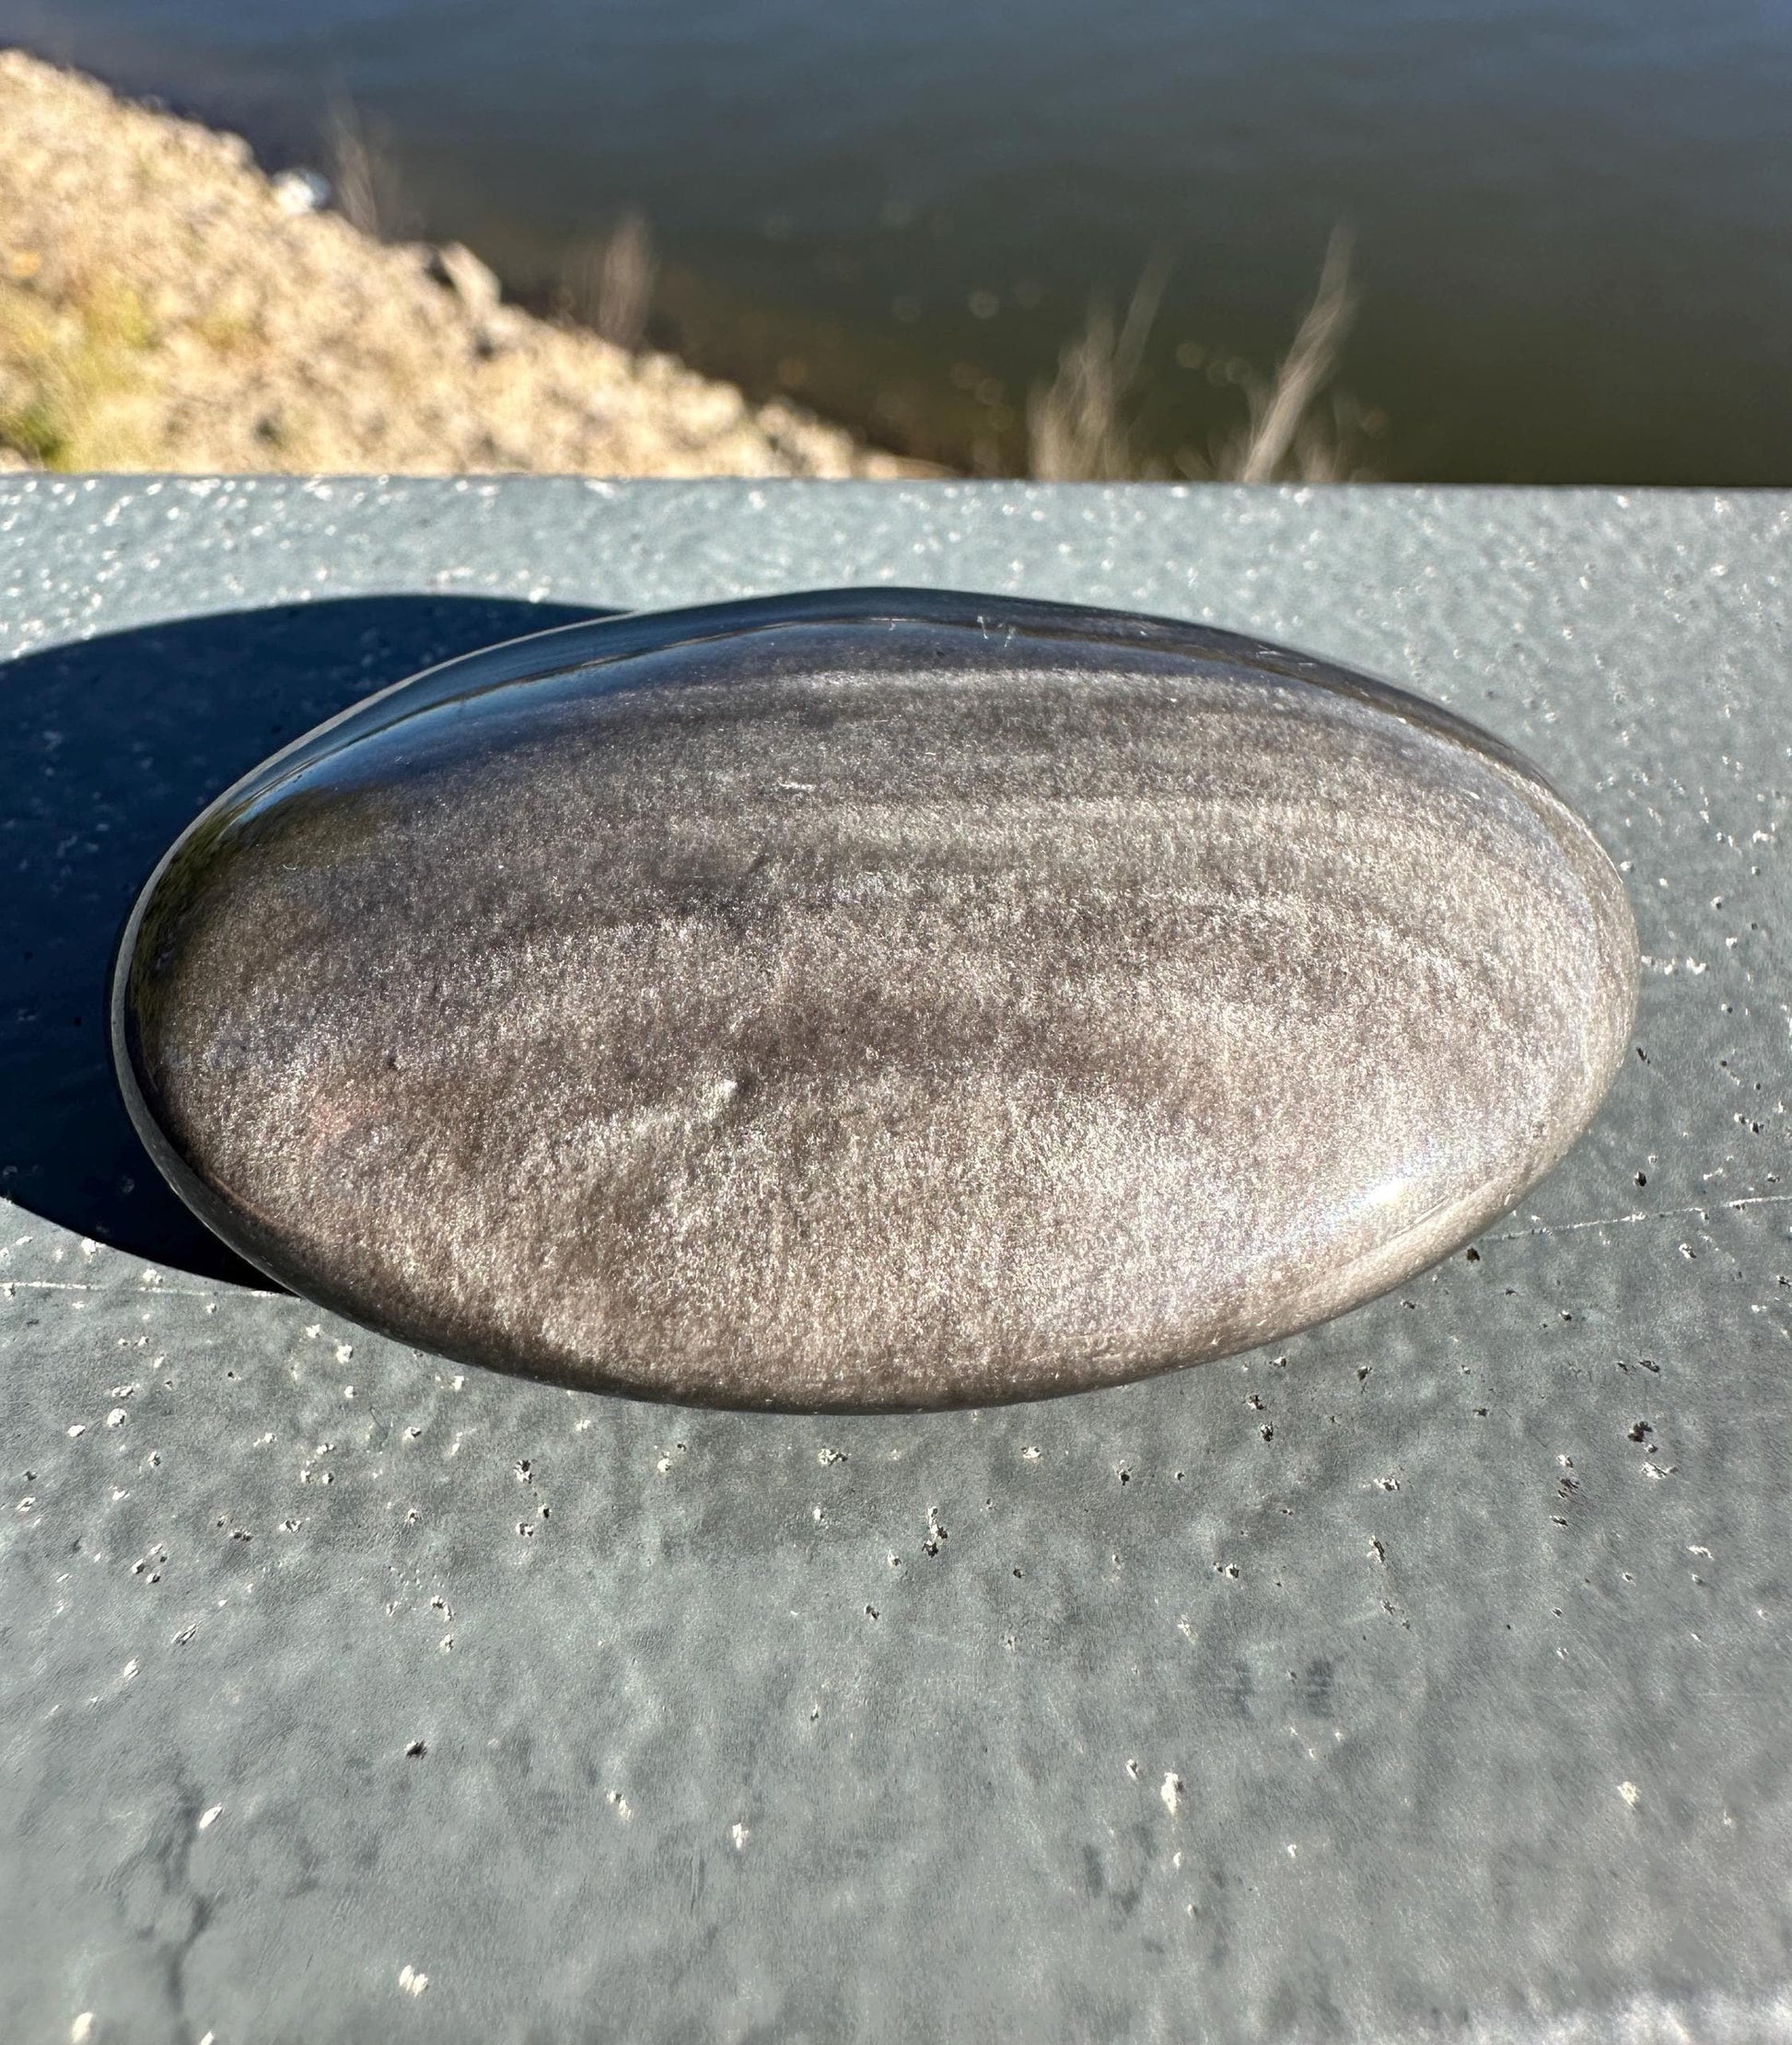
{"x": 163, "y": 306}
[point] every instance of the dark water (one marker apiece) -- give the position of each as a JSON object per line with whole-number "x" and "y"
{"x": 1573, "y": 220}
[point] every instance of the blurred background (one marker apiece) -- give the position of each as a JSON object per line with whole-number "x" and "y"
{"x": 1504, "y": 240}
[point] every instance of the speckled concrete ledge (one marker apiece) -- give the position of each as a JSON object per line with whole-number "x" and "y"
{"x": 1427, "y": 1677}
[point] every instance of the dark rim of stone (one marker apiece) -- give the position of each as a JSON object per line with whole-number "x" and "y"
{"x": 566, "y": 649}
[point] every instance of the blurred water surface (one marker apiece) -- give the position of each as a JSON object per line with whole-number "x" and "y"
{"x": 1572, "y": 218}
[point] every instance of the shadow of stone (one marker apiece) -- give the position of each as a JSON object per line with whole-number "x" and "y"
{"x": 115, "y": 744}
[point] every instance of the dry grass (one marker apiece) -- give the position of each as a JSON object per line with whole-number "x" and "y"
{"x": 160, "y": 309}
{"x": 609, "y": 285}
{"x": 1079, "y": 424}
{"x": 364, "y": 176}
{"x": 70, "y": 369}
{"x": 1288, "y": 437}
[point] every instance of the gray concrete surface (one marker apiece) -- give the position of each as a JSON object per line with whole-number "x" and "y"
{"x": 1426, "y": 1678}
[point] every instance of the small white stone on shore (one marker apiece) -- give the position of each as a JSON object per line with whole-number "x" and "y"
{"x": 298, "y": 191}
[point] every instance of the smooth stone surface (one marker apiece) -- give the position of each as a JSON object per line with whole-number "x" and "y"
{"x": 877, "y": 999}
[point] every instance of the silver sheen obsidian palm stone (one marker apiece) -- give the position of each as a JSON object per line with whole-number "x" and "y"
{"x": 870, "y": 999}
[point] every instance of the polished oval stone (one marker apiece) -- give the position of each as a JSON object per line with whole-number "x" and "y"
{"x": 872, "y": 999}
